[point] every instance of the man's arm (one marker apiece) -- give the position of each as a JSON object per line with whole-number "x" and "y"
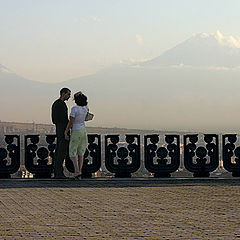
{"x": 56, "y": 113}
{"x": 69, "y": 126}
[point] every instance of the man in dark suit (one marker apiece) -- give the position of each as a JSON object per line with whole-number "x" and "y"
{"x": 60, "y": 119}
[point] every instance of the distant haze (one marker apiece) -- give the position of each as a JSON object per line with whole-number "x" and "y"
{"x": 193, "y": 86}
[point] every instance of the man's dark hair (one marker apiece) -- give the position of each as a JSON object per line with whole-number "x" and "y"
{"x": 64, "y": 91}
{"x": 80, "y": 100}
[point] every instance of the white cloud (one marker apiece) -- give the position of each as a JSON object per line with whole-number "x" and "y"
{"x": 95, "y": 18}
{"x": 133, "y": 60}
{"x": 224, "y": 68}
{"x": 204, "y": 35}
{"x": 215, "y": 68}
{"x": 88, "y": 19}
{"x": 139, "y": 39}
{"x": 229, "y": 41}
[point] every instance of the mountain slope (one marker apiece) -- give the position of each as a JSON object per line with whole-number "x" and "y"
{"x": 14, "y": 82}
{"x": 201, "y": 50}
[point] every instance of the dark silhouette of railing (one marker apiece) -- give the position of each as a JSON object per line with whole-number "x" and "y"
{"x": 172, "y": 150}
{"x": 127, "y": 159}
{"x": 201, "y": 167}
{"x": 41, "y": 168}
{"x": 10, "y": 152}
{"x": 157, "y": 155}
{"x": 230, "y": 150}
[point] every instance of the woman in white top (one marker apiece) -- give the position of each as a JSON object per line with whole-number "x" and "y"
{"x": 78, "y": 139}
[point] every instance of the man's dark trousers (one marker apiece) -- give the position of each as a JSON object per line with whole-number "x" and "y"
{"x": 61, "y": 151}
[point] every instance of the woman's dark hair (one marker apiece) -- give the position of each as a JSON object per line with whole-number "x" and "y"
{"x": 80, "y": 99}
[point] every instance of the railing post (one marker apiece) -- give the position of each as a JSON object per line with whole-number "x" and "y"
{"x": 231, "y": 154}
{"x": 172, "y": 151}
{"x": 12, "y": 151}
{"x": 195, "y": 158}
{"x": 41, "y": 168}
{"x": 123, "y": 161}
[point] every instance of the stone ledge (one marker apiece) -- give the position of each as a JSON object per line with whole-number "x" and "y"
{"x": 116, "y": 182}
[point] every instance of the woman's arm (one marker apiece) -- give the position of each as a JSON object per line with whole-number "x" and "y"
{"x": 69, "y": 126}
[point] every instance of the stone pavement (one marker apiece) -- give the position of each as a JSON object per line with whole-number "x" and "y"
{"x": 120, "y": 209}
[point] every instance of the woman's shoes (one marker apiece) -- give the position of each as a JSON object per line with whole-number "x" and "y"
{"x": 78, "y": 177}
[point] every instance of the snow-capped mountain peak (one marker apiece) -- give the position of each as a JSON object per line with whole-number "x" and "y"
{"x": 203, "y": 49}
{"x": 221, "y": 39}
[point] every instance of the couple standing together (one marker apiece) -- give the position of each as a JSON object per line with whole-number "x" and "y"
{"x": 77, "y": 142}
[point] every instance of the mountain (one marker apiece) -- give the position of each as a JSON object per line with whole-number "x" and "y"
{"x": 20, "y": 98}
{"x": 186, "y": 88}
{"x": 14, "y": 82}
{"x": 209, "y": 50}
{"x": 165, "y": 98}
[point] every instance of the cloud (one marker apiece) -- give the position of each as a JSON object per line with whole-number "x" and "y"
{"x": 224, "y": 68}
{"x": 229, "y": 41}
{"x": 88, "y": 19}
{"x": 139, "y": 39}
{"x": 215, "y": 68}
{"x": 133, "y": 60}
{"x": 95, "y": 18}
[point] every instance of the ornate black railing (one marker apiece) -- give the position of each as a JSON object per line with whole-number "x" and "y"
{"x": 201, "y": 160}
{"x": 171, "y": 149}
{"x": 10, "y": 156}
{"x": 122, "y": 159}
{"x": 231, "y": 154}
{"x": 37, "y": 157}
{"x": 126, "y": 155}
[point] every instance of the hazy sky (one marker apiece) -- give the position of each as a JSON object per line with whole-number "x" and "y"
{"x": 55, "y": 40}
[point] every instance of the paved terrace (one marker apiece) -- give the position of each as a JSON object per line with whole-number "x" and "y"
{"x": 120, "y": 209}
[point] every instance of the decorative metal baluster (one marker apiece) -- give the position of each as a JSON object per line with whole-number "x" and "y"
{"x": 127, "y": 158}
{"x": 12, "y": 152}
{"x": 41, "y": 168}
{"x": 151, "y": 150}
{"x": 231, "y": 154}
{"x": 200, "y": 167}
